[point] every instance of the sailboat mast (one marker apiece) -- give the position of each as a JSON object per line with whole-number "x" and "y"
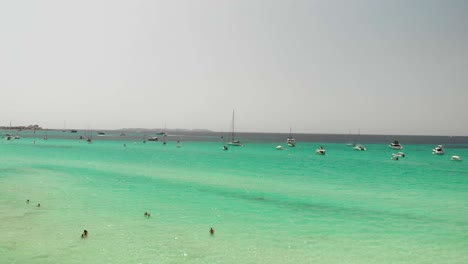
{"x": 232, "y": 134}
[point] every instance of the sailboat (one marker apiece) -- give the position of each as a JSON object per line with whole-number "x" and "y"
{"x": 290, "y": 140}
{"x": 90, "y": 137}
{"x": 348, "y": 140}
{"x": 224, "y": 143}
{"x": 162, "y": 132}
{"x": 233, "y": 141}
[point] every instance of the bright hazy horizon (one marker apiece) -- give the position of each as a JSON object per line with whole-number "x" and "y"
{"x": 378, "y": 67}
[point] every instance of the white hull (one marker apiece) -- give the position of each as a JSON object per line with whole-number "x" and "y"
{"x": 320, "y": 151}
{"x": 438, "y": 150}
{"x": 360, "y": 148}
{"x": 291, "y": 142}
{"x": 396, "y": 147}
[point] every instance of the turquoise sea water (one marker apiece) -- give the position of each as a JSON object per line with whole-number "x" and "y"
{"x": 267, "y": 206}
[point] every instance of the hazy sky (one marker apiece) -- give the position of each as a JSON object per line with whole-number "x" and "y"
{"x": 384, "y": 67}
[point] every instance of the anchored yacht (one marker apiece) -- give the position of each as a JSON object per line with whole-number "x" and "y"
{"x": 396, "y": 145}
{"x": 439, "y": 150}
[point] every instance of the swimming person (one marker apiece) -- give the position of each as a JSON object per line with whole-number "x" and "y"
{"x": 85, "y": 234}
{"x": 212, "y": 231}
{"x": 27, "y": 201}
{"x": 38, "y": 205}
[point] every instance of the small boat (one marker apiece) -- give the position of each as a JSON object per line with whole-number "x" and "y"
{"x": 101, "y": 133}
{"x": 74, "y": 131}
{"x": 456, "y": 158}
{"x": 439, "y": 150}
{"x": 396, "y": 145}
{"x": 396, "y": 156}
{"x": 320, "y": 151}
{"x": 359, "y": 147}
{"x": 279, "y": 147}
{"x": 123, "y": 134}
{"x": 153, "y": 139}
{"x": 9, "y": 137}
{"x": 178, "y": 144}
{"x": 236, "y": 143}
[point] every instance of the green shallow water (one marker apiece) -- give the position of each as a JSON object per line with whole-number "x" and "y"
{"x": 267, "y": 206}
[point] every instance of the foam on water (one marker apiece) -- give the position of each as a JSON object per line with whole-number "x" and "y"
{"x": 267, "y": 206}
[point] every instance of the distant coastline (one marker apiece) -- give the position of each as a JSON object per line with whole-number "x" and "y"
{"x": 136, "y": 134}
{"x": 30, "y": 127}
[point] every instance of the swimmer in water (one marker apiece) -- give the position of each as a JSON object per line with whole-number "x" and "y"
{"x": 212, "y": 231}
{"x": 27, "y": 201}
{"x": 39, "y": 205}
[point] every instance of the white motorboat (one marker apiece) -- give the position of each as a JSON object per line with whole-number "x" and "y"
{"x": 456, "y": 158}
{"x": 320, "y": 151}
{"x": 279, "y": 147}
{"x": 9, "y": 137}
{"x": 359, "y": 147}
{"x": 396, "y": 145}
{"x": 153, "y": 139}
{"x": 397, "y": 156}
{"x": 439, "y": 150}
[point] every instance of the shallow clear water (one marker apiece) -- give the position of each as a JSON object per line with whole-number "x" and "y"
{"x": 267, "y": 206}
